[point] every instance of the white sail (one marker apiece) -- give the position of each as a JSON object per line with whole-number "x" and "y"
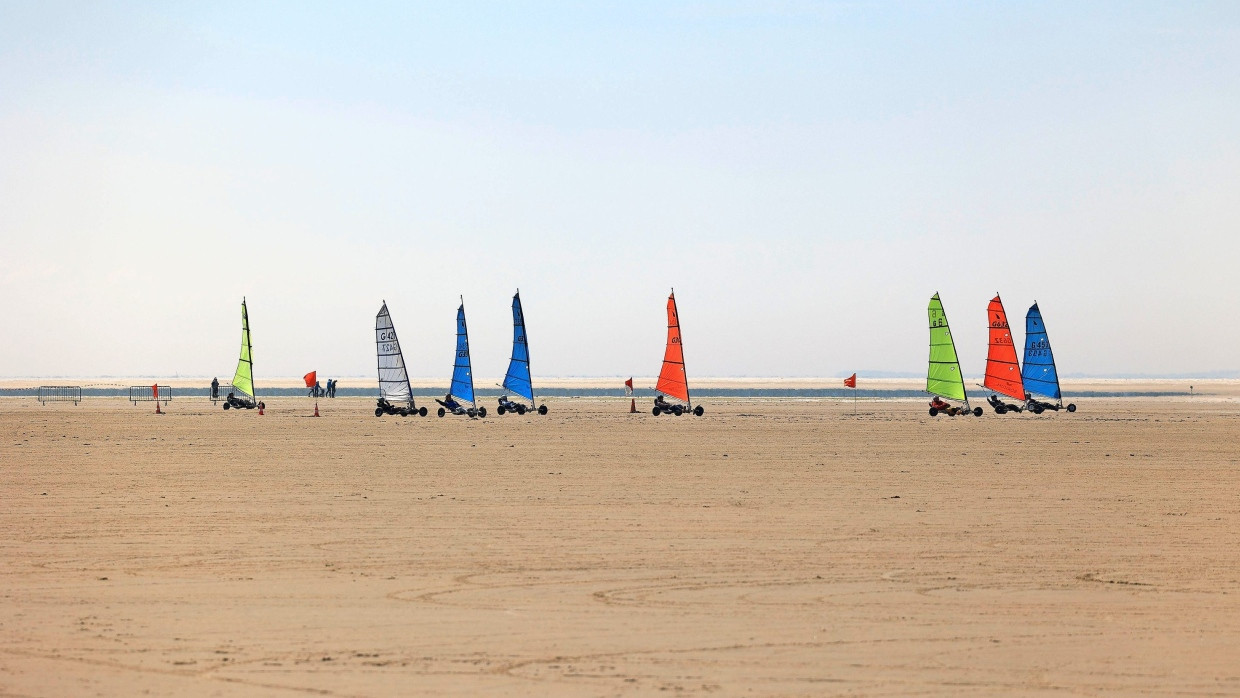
{"x": 393, "y": 378}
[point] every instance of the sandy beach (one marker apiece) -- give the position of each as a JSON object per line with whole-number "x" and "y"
{"x": 779, "y": 547}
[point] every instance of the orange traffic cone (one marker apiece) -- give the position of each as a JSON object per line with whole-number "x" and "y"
{"x": 260, "y": 408}
{"x": 316, "y": 408}
{"x": 157, "y": 407}
{"x": 633, "y": 406}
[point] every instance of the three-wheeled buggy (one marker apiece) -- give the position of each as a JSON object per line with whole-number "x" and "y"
{"x": 507, "y": 406}
{"x": 940, "y": 406}
{"x": 232, "y": 402}
{"x": 662, "y": 406}
{"x": 1002, "y": 407}
{"x": 449, "y": 405}
{"x": 382, "y": 407}
{"x": 1038, "y": 406}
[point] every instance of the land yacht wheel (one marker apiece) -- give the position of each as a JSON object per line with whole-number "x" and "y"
{"x": 500, "y": 410}
{"x": 977, "y": 412}
{"x": 482, "y": 412}
{"x": 655, "y": 411}
{"x": 378, "y": 411}
{"x": 441, "y": 412}
{"x": 1071, "y": 407}
{"x": 227, "y": 406}
{"x": 699, "y": 411}
{"x": 542, "y": 409}
{"x": 934, "y": 412}
{"x": 520, "y": 409}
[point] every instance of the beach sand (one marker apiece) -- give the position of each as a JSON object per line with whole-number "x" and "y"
{"x": 772, "y": 547}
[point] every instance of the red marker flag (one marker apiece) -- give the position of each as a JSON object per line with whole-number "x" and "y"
{"x": 628, "y": 388}
{"x": 851, "y": 381}
{"x": 311, "y": 378}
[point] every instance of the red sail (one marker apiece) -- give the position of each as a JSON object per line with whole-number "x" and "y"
{"x": 672, "y": 379}
{"x": 1002, "y": 370}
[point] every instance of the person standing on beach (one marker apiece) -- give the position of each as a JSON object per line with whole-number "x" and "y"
{"x": 215, "y": 388}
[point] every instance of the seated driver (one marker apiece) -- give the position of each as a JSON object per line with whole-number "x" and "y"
{"x": 659, "y": 401}
{"x": 449, "y": 403}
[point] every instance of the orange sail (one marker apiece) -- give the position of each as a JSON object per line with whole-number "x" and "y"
{"x": 672, "y": 379}
{"x": 1002, "y": 371}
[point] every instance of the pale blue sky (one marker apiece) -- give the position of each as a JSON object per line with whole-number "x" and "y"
{"x": 805, "y": 174}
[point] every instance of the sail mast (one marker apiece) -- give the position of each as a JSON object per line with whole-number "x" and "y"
{"x": 688, "y": 398}
{"x": 526, "y": 339}
{"x": 379, "y": 354}
{"x": 465, "y": 329}
{"x": 245, "y": 313}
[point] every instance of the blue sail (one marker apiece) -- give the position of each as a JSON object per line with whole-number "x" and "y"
{"x": 462, "y": 375}
{"x": 518, "y": 377}
{"x": 1039, "y": 370}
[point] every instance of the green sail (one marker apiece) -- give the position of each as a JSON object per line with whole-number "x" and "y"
{"x": 943, "y": 377}
{"x": 243, "y": 380}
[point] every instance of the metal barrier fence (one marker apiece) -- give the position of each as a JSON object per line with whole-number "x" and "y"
{"x": 147, "y": 393}
{"x": 221, "y": 394}
{"x": 60, "y": 393}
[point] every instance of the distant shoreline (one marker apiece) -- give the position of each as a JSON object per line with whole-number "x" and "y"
{"x": 617, "y": 382}
{"x": 790, "y": 388}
